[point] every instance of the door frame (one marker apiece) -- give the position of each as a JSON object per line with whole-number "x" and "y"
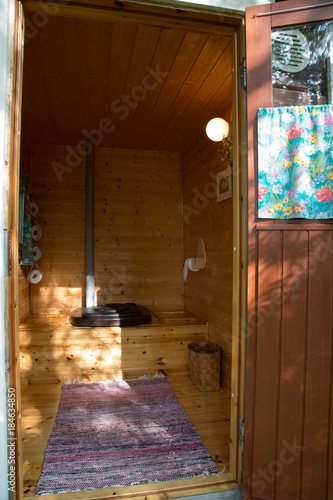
{"x": 190, "y": 19}
{"x": 259, "y": 22}
{"x": 10, "y": 177}
{"x": 4, "y": 343}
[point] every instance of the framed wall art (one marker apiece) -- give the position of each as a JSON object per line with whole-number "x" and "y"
{"x": 224, "y": 185}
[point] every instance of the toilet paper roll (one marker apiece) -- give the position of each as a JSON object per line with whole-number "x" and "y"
{"x": 36, "y": 231}
{"x": 36, "y": 253}
{"x": 188, "y": 266}
{"x": 34, "y": 209}
{"x": 35, "y": 275}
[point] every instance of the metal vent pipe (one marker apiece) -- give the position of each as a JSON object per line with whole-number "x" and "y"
{"x": 90, "y": 269}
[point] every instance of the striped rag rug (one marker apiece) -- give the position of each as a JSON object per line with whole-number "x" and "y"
{"x": 121, "y": 433}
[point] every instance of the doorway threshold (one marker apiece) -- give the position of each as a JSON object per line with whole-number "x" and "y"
{"x": 219, "y": 495}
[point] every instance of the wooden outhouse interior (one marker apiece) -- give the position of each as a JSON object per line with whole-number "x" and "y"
{"x": 144, "y": 92}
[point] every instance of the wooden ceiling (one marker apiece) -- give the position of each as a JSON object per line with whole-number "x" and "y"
{"x": 132, "y": 86}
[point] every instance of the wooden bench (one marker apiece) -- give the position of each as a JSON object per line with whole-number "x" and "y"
{"x": 54, "y": 351}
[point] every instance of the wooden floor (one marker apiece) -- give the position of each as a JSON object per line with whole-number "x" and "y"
{"x": 209, "y": 412}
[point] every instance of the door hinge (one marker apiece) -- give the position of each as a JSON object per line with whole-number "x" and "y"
{"x": 242, "y": 75}
{"x": 241, "y": 432}
{"x": 7, "y": 252}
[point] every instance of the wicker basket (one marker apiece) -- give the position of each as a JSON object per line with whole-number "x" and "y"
{"x": 205, "y": 365}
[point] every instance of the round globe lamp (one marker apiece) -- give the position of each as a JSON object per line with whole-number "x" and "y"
{"x": 217, "y": 129}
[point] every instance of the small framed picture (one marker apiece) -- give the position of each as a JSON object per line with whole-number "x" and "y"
{"x": 224, "y": 185}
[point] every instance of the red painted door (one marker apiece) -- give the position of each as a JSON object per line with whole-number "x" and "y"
{"x": 288, "y": 447}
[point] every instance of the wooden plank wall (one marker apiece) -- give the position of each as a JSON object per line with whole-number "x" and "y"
{"x": 208, "y": 292}
{"x": 293, "y": 365}
{"x": 57, "y": 184}
{"x": 138, "y": 235}
{"x": 24, "y": 294}
{"x": 138, "y": 243}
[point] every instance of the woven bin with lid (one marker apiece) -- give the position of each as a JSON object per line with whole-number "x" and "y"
{"x": 205, "y": 365}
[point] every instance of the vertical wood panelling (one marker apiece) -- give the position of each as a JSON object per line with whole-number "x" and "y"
{"x": 293, "y": 361}
{"x": 57, "y": 186}
{"x": 293, "y": 366}
{"x": 208, "y": 292}
{"x": 258, "y": 69}
{"x": 330, "y": 449}
{"x": 24, "y": 294}
{"x": 318, "y": 370}
{"x": 300, "y": 467}
{"x": 267, "y": 357}
{"x": 138, "y": 241}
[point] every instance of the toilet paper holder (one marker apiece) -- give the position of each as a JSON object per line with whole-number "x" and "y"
{"x": 199, "y": 262}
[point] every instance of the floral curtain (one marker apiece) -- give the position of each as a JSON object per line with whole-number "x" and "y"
{"x": 295, "y": 162}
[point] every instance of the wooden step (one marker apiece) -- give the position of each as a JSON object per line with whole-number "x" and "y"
{"x": 55, "y": 351}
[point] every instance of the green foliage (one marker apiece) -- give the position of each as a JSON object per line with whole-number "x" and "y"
{"x": 226, "y": 150}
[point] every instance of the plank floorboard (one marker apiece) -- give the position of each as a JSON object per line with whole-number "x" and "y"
{"x": 208, "y": 411}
